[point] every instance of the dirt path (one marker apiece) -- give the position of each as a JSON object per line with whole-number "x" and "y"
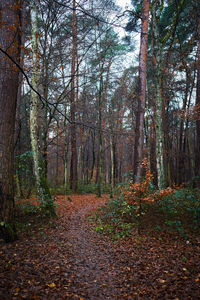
{"x": 93, "y": 262}
{"x": 67, "y": 259}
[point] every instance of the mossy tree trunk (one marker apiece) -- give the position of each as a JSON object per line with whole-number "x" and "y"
{"x": 39, "y": 164}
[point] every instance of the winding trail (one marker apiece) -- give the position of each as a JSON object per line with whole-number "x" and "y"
{"x": 93, "y": 263}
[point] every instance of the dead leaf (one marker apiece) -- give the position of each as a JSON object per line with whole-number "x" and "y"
{"x": 51, "y": 285}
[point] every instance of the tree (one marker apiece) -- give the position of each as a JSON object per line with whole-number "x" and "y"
{"x": 39, "y": 166}
{"x": 9, "y": 76}
{"x": 139, "y": 136}
{"x": 160, "y": 39}
{"x": 73, "y": 173}
{"x": 197, "y": 158}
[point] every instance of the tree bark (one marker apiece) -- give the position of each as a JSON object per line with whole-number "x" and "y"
{"x": 139, "y": 135}
{"x": 197, "y": 158}
{"x": 9, "y": 76}
{"x": 39, "y": 167}
{"x": 158, "y": 96}
{"x": 73, "y": 168}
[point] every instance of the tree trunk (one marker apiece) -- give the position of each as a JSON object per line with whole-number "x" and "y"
{"x": 181, "y": 153}
{"x": 139, "y": 136}
{"x": 111, "y": 167}
{"x": 39, "y": 167}
{"x": 158, "y": 96}
{"x": 9, "y": 76}
{"x": 93, "y": 156}
{"x": 100, "y": 169}
{"x": 73, "y": 168}
{"x": 197, "y": 158}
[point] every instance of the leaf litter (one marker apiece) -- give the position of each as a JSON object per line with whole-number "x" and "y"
{"x": 67, "y": 259}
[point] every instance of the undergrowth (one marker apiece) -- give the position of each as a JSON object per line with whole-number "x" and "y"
{"x": 141, "y": 208}
{"x": 29, "y": 216}
{"x": 83, "y": 188}
{"x": 178, "y": 213}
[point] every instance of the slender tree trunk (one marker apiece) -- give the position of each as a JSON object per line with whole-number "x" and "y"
{"x": 93, "y": 155}
{"x": 39, "y": 168}
{"x": 139, "y": 136}
{"x": 181, "y": 153}
{"x": 9, "y": 76}
{"x": 65, "y": 166}
{"x": 111, "y": 167}
{"x": 153, "y": 167}
{"x": 73, "y": 169}
{"x": 100, "y": 166}
{"x": 197, "y": 158}
{"x": 158, "y": 96}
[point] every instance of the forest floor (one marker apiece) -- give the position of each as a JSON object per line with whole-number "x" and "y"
{"x": 65, "y": 258}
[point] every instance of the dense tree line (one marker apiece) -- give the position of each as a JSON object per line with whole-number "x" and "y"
{"x": 72, "y": 112}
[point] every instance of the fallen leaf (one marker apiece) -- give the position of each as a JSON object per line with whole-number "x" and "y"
{"x": 161, "y": 280}
{"x": 51, "y": 284}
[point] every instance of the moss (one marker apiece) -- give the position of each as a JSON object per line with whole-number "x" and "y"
{"x": 47, "y": 203}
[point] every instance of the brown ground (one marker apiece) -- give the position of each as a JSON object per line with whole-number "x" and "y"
{"x": 72, "y": 261}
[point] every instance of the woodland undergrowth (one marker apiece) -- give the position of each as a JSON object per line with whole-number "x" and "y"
{"x": 139, "y": 208}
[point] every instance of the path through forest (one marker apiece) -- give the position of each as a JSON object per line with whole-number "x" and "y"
{"x": 93, "y": 264}
{"x": 67, "y": 259}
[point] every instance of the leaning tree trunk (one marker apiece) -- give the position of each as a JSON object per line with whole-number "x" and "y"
{"x": 139, "y": 136}
{"x": 9, "y": 76}
{"x": 39, "y": 166}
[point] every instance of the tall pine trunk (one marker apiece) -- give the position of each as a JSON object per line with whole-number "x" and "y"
{"x": 100, "y": 136}
{"x": 139, "y": 135}
{"x": 73, "y": 168}
{"x": 197, "y": 158}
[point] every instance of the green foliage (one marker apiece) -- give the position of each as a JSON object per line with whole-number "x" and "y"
{"x": 92, "y": 188}
{"x": 29, "y": 215}
{"x": 24, "y": 174}
{"x": 115, "y": 219}
{"x": 27, "y": 208}
{"x": 177, "y": 213}
{"x": 83, "y": 188}
{"x": 48, "y": 208}
{"x": 182, "y": 209}
{"x": 60, "y": 190}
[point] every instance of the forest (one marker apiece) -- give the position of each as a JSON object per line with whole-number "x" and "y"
{"x": 99, "y": 149}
